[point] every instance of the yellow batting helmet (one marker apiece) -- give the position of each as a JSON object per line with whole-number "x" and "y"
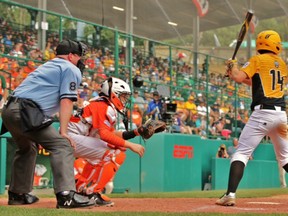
{"x": 269, "y": 40}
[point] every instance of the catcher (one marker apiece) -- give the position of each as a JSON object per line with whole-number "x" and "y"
{"x": 99, "y": 144}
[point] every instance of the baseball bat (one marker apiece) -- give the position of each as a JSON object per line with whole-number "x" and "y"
{"x": 244, "y": 29}
{"x": 242, "y": 33}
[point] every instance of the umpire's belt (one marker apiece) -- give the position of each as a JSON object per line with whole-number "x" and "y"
{"x": 12, "y": 99}
{"x": 269, "y": 107}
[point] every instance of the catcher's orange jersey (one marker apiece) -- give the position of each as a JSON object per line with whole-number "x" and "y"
{"x": 268, "y": 73}
{"x": 102, "y": 116}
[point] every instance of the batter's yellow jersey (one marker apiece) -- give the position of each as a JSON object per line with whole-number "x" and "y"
{"x": 268, "y": 73}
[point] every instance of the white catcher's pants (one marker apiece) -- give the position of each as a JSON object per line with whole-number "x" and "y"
{"x": 90, "y": 148}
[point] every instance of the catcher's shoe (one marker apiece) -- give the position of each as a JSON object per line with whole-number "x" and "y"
{"x": 81, "y": 188}
{"x": 21, "y": 199}
{"x": 101, "y": 200}
{"x": 227, "y": 200}
{"x": 73, "y": 200}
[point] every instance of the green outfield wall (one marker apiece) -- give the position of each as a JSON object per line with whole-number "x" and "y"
{"x": 257, "y": 174}
{"x": 172, "y": 162}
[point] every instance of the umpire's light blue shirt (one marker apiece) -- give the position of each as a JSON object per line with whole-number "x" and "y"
{"x": 49, "y": 83}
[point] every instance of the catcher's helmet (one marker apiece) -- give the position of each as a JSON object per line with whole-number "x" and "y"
{"x": 269, "y": 40}
{"x": 113, "y": 88}
{"x": 70, "y": 46}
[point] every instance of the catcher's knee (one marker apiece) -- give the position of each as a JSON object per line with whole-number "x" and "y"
{"x": 120, "y": 157}
{"x": 107, "y": 169}
{"x": 116, "y": 156}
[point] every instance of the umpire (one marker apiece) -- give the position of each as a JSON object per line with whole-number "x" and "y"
{"x": 52, "y": 87}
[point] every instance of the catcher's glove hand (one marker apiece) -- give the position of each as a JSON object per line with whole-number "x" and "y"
{"x": 150, "y": 127}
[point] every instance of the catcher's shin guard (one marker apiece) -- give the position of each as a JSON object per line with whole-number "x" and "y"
{"x": 86, "y": 177}
{"x": 79, "y": 165}
{"x": 111, "y": 162}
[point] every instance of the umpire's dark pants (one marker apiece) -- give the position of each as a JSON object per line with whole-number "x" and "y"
{"x": 23, "y": 165}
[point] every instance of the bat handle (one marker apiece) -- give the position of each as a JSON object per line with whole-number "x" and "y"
{"x": 229, "y": 67}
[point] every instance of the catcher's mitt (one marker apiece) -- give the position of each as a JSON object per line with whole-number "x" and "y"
{"x": 150, "y": 127}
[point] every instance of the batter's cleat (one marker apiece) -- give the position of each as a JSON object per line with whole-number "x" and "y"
{"x": 73, "y": 200}
{"x": 101, "y": 200}
{"x": 21, "y": 199}
{"x": 226, "y": 200}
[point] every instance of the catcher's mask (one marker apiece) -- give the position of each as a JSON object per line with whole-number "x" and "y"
{"x": 118, "y": 93}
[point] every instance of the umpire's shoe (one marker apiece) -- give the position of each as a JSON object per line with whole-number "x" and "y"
{"x": 21, "y": 199}
{"x": 73, "y": 200}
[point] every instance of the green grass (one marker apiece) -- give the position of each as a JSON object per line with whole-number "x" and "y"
{"x": 15, "y": 211}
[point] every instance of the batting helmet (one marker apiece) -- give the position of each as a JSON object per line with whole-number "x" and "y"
{"x": 269, "y": 40}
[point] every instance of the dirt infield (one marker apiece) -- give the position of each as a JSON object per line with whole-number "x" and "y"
{"x": 276, "y": 204}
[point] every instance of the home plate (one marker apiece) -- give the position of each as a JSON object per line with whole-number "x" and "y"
{"x": 265, "y": 203}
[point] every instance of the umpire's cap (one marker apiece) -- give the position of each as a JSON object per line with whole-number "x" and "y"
{"x": 70, "y": 46}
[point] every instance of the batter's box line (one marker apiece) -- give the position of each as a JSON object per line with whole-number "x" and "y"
{"x": 264, "y": 203}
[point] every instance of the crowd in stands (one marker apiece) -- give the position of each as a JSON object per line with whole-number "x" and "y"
{"x": 205, "y": 106}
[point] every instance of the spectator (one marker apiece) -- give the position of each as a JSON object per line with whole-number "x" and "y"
{"x": 137, "y": 99}
{"x": 215, "y": 111}
{"x": 222, "y": 152}
{"x": 36, "y": 54}
{"x": 48, "y": 52}
{"x": 8, "y": 43}
{"x": 202, "y": 108}
{"x": 221, "y": 128}
{"x": 26, "y": 70}
{"x": 3, "y": 88}
{"x": 179, "y": 126}
{"x": 191, "y": 106}
{"x": 199, "y": 99}
{"x": 147, "y": 98}
{"x": 136, "y": 116}
{"x": 17, "y": 50}
{"x": 84, "y": 94}
{"x": 14, "y": 69}
{"x": 232, "y": 149}
{"x": 96, "y": 87}
{"x": 177, "y": 96}
{"x": 194, "y": 122}
{"x": 224, "y": 108}
{"x": 155, "y": 107}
